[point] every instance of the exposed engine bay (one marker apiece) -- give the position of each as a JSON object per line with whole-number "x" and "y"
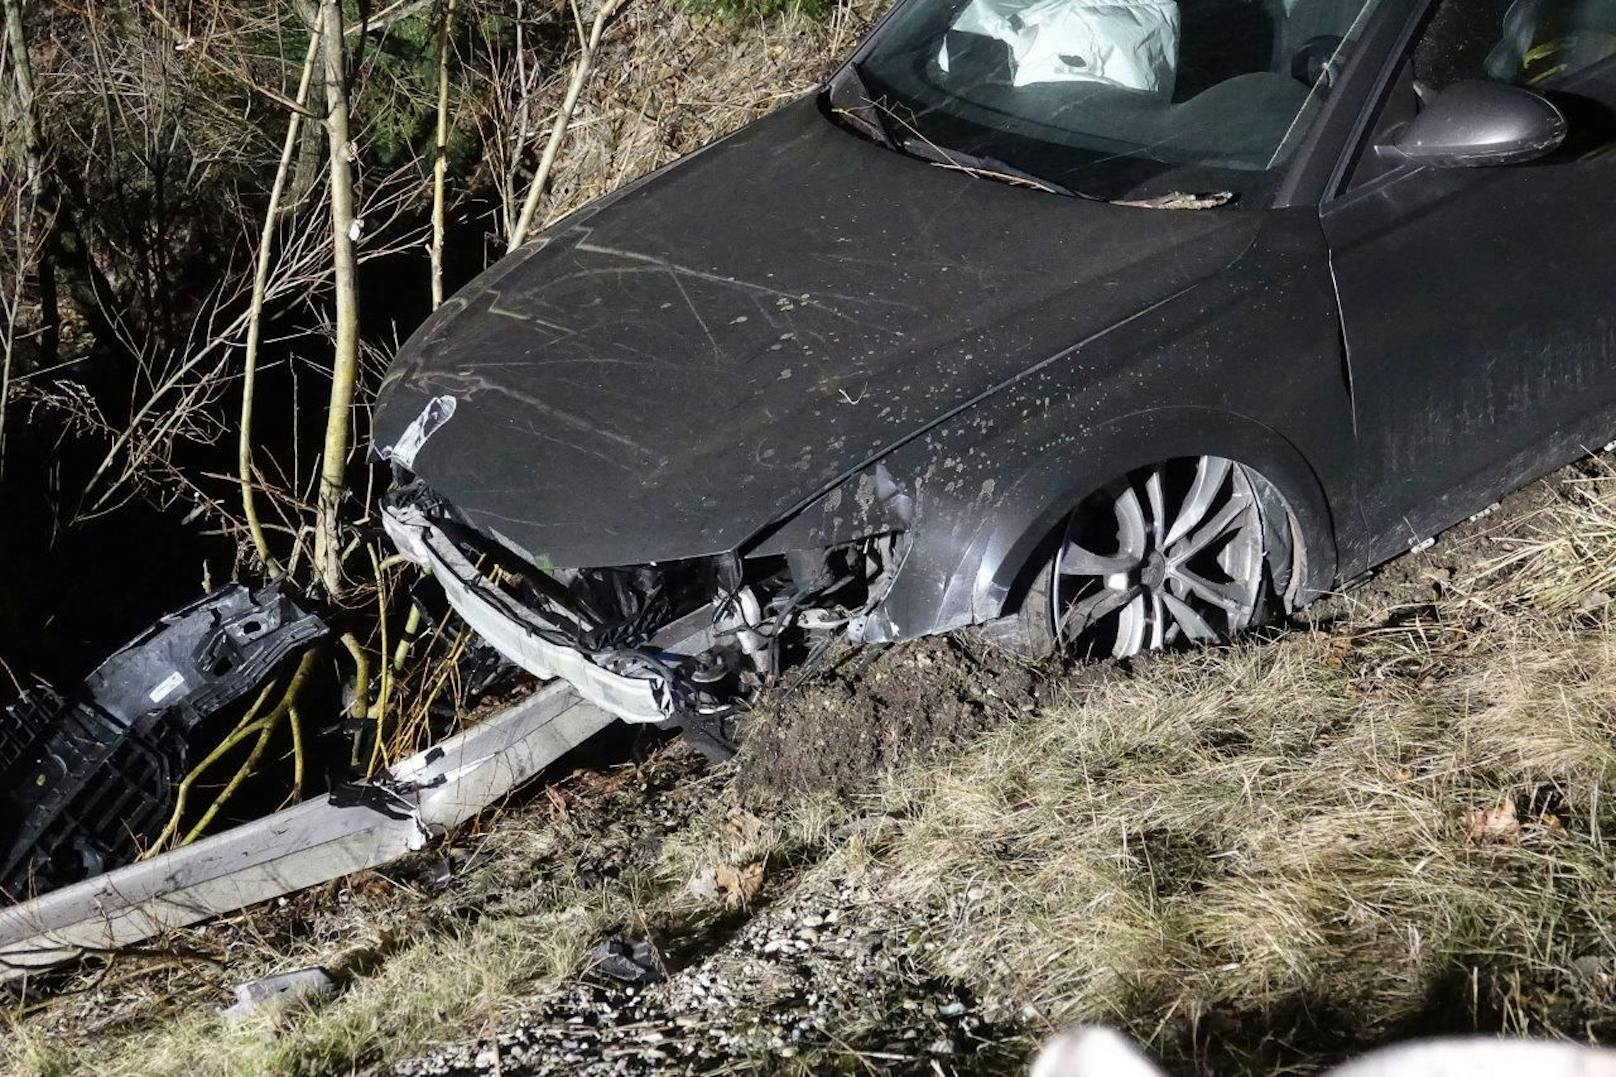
{"x": 684, "y": 644}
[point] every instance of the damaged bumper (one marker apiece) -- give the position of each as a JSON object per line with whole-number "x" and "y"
{"x": 684, "y": 644}
{"x": 514, "y": 631}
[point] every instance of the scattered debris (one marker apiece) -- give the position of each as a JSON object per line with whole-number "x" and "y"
{"x": 88, "y": 776}
{"x": 276, "y": 993}
{"x": 633, "y": 961}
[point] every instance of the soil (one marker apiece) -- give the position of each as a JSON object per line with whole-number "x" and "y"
{"x": 878, "y": 710}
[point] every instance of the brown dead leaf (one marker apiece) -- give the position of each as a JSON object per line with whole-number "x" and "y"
{"x": 367, "y": 883}
{"x": 739, "y": 885}
{"x": 1497, "y": 825}
{"x": 1551, "y": 822}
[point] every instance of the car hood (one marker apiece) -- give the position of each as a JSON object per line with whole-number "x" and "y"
{"x": 679, "y": 365}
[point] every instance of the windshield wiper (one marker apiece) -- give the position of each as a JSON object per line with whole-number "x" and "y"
{"x": 980, "y": 163}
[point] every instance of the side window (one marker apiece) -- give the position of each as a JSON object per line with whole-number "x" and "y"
{"x": 1535, "y": 43}
{"x": 1524, "y": 42}
{"x": 1545, "y": 41}
{"x": 1455, "y": 43}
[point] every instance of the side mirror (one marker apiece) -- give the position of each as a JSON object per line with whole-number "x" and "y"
{"x": 1475, "y": 123}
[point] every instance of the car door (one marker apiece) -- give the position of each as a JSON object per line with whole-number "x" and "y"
{"x": 1479, "y": 303}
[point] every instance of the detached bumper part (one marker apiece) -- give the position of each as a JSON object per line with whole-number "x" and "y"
{"x": 79, "y": 786}
{"x": 511, "y": 629}
{"x": 88, "y": 777}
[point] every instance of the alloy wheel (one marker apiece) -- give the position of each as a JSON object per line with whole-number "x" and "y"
{"x": 1171, "y": 553}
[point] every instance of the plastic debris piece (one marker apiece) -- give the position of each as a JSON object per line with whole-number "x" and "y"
{"x": 633, "y": 961}
{"x": 278, "y": 992}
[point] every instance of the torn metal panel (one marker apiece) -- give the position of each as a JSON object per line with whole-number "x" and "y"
{"x": 505, "y": 625}
{"x": 309, "y": 844}
{"x": 204, "y": 656}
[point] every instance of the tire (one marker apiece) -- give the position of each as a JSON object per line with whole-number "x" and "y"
{"x": 1193, "y": 550}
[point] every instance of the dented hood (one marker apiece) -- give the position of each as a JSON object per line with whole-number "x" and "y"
{"x": 677, "y": 366}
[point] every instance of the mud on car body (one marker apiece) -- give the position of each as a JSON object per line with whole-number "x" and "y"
{"x": 1213, "y": 306}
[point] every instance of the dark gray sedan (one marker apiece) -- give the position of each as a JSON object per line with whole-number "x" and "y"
{"x": 1105, "y": 324}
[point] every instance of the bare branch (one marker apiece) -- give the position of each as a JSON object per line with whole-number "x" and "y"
{"x": 255, "y": 315}
{"x": 440, "y": 155}
{"x": 345, "y": 360}
{"x": 558, "y": 130}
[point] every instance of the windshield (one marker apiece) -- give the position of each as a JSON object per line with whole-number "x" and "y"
{"x": 1115, "y": 98}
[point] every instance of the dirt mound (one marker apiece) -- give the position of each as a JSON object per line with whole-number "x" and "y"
{"x": 880, "y": 710}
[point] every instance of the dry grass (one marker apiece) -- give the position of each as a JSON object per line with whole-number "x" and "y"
{"x": 1252, "y": 859}
{"x": 517, "y": 922}
{"x": 1267, "y": 851}
{"x": 668, "y": 82}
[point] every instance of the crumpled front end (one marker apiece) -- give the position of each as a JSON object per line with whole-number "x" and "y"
{"x": 685, "y": 643}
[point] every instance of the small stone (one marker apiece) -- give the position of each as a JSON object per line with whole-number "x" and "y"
{"x": 1589, "y": 966}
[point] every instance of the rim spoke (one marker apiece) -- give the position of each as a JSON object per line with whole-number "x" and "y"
{"x": 1078, "y": 561}
{"x": 1193, "y": 625}
{"x": 1158, "y": 509}
{"x": 1131, "y": 537}
{"x": 1231, "y": 597}
{"x": 1095, "y": 607}
{"x": 1219, "y": 525}
{"x": 1209, "y": 476}
{"x": 1158, "y": 621}
{"x": 1131, "y": 628}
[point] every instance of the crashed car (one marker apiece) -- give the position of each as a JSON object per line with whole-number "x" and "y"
{"x": 1106, "y": 326}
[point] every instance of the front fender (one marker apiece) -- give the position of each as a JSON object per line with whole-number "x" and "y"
{"x": 978, "y": 541}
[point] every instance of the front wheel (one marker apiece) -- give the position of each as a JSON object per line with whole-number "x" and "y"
{"x": 1185, "y": 551}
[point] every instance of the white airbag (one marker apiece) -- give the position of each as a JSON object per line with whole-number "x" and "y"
{"x": 1128, "y": 43}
